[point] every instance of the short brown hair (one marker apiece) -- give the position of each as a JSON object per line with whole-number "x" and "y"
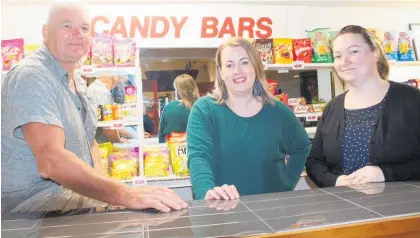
{"x": 382, "y": 65}
{"x": 220, "y": 91}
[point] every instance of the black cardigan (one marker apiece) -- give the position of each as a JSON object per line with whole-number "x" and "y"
{"x": 394, "y": 145}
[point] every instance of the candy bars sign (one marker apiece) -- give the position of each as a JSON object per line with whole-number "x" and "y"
{"x": 172, "y": 27}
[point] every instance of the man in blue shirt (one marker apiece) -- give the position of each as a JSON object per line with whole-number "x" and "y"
{"x": 48, "y": 126}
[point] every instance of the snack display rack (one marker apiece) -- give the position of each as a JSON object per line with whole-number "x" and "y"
{"x": 169, "y": 181}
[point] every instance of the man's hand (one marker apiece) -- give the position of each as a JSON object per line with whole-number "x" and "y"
{"x": 160, "y": 198}
{"x": 367, "y": 174}
{"x": 226, "y": 192}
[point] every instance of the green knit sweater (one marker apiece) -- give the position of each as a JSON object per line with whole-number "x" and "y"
{"x": 174, "y": 118}
{"x": 224, "y": 148}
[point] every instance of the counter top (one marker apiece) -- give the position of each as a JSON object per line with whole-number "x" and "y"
{"x": 249, "y": 216}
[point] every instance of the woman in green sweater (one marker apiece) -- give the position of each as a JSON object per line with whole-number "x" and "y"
{"x": 175, "y": 115}
{"x": 239, "y": 136}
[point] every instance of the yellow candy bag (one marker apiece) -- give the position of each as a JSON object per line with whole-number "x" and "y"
{"x": 177, "y": 144}
{"x": 156, "y": 162}
{"x": 104, "y": 150}
{"x": 123, "y": 165}
{"x": 283, "y": 53}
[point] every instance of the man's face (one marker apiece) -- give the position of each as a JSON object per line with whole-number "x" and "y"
{"x": 67, "y": 35}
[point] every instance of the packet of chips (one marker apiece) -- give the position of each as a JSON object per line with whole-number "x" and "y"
{"x": 320, "y": 39}
{"x": 123, "y": 165}
{"x": 390, "y": 45}
{"x": 156, "y": 161}
{"x": 177, "y": 144}
{"x": 104, "y": 150}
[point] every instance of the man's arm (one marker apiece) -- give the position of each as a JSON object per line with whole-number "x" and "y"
{"x": 97, "y": 158}
{"x": 64, "y": 167}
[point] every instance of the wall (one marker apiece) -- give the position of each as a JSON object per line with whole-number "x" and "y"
{"x": 287, "y": 21}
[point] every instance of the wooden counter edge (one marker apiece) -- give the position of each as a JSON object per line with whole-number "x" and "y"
{"x": 396, "y": 227}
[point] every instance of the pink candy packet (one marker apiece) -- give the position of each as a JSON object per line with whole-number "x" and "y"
{"x": 11, "y": 52}
{"x": 124, "y": 52}
{"x": 102, "y": 51}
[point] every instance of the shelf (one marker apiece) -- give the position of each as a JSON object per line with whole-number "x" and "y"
{"x": 169, "y": 182}
{"x": 329, "y": 66}
{"x": 94, "y": 72}
{"x": 404, "y": 63}
{"x": 318, "y": 114}
{"x": 308, "y": 66}
{"x": 117, "y": 123}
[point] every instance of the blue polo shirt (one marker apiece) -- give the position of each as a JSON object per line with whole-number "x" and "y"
{"x": 37, "y": 91}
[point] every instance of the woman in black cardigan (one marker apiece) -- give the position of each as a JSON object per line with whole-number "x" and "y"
{"x": 370, "y": 133}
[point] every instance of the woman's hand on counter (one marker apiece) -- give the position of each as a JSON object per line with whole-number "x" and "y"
{"x": 367, "y": 174}
{"x": 343, "y": 180}
{"x": 225, "y": 192}
{"x": 159, "y": 198}
{"x": 225, "y": 205}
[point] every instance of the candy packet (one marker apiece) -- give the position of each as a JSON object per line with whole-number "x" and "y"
{"x": 124, "y": 52}
{"x": 320, "y": 39}
{"x": 405, "y": 51}
{"x": 283, "y": 51}
{"x": 102, "y": 51}
{"x": 390, "y": 45}
{"x": 12, "y": 52}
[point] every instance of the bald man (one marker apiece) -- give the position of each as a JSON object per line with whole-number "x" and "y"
{"x": 48, "y": 126}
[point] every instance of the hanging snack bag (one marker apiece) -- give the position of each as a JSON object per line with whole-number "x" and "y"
{"x": 390, "y": 45}
{"x": 320, "y": 39}
{"x": 302, "y": 50}
{"x": 377, "y": 35}
{"x": 283, "y": 51}
{"x": 405, "y": 50}
{"x": 104, "y": 150}
{"x": 156, "y": 162}
{"x": 265, "y": 48}
{"x": 272, "y": 86}
{"x": 177, "y": 144}
{"x": 102, "y": 51}
{"x": 124, "y": 52}
{"x": 11, "y": 53}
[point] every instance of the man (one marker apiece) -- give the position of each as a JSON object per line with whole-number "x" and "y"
{"x": 48, "y": 126}
{"x": 99, "y": 93}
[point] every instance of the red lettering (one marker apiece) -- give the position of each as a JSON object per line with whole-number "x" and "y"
{"x": 135, "y": 25}
{"x": 246, "y": 24}
{"x": 227, "y": 28}
{"x": 209, "y": 23}
{"x": 264, "y": 24}
{"x": 178, "y": 25}
{"x": 119, "y": 27}
{"x": 153, "y": 29}
{"x": 96, "y": 20}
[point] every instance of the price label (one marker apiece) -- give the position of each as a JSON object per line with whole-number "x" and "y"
{"x": 138, "y": 181}
{"x": 312, "y": 118}
{"x": 117, "y": 126}
{"x": 87, "y": 69}
{"x": 298, "y": 65}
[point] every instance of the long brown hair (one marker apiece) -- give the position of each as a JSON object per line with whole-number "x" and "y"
{"x": 187, "y": 90}
{"x": 220, "y": 92}
{"x": 382, "y": 65}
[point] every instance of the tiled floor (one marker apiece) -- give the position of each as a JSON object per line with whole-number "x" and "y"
{"x": 251, "y": 215}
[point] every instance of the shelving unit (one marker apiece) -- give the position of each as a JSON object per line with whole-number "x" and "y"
{"x": 329, "y": 66}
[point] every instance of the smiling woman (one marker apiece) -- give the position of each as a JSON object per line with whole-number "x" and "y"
{"x": 239, "y": 136}
{"x": 358, "y": 139}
